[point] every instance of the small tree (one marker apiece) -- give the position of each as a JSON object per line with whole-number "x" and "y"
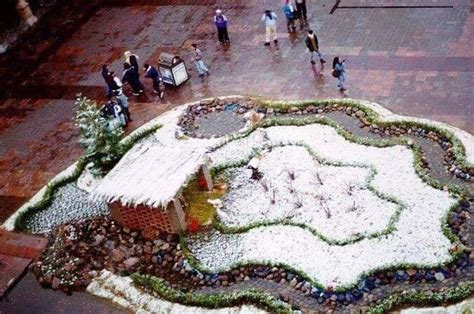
{"x": 96, "y": 137}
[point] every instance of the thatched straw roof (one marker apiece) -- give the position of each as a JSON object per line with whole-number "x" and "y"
{"x": 151, "y": 174}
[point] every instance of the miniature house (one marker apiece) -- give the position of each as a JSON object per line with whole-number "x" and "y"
{"x": 143, "y": 189}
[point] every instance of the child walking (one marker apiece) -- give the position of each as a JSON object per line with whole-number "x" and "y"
{"x": 200, "y": 66}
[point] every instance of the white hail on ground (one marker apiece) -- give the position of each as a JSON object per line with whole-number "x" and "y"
{"x": 418, "y": 238}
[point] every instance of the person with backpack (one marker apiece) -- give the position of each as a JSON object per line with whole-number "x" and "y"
{"x": 152, "y": 73}
{"x": 269, "y": 18}
{"x": 119, "y": 115}
{"x": 220, "y": 20}
{"x": 312, "y": 44}
{"x": 114, "y": 83}
{"x": 122, "y": 100}
{"x": 339, "y": 72}
{"x": 290, "y": 14}
{"x": 112, "y": 112}
{"x": 131, "y": 76}
{"x": 200, "y": 66}
{"x": 107, "y": 110}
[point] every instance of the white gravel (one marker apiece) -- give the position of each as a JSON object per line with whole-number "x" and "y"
{"x": 69, "y": 203}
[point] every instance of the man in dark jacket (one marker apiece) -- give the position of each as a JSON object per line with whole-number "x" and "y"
{"x": 105, "y": 74}
{"x": 221, "y": 24}
{"x": 301, "y": 9}
{"x": 130, "y": 75}
{"x": 152, "y": 73}
{"x": 312, "y": 43}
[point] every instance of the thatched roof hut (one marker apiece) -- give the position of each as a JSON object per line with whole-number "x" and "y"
{"x": 151, "y": 175}
{"x": 144, "y": 185}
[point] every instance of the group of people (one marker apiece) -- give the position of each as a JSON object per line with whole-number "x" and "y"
{"x": 292, "y": 13}
{"x": 293, "y": 10}
{"x": 131, "y": 75}
{"x": 117, "y": 106}
{"x": 116, "y": 109}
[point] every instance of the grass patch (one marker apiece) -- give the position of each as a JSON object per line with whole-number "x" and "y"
{"x": 212, "y": 301}
{"x": 199, "y": 212}
{"x": 419, "y": 298}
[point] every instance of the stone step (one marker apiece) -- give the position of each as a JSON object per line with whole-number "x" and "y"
{"x": 21, "y": 245}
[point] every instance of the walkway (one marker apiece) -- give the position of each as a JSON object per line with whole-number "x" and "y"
{"x": 415, "y": 61}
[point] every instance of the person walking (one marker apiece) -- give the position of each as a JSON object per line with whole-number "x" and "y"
{"x": 132, "y": 59}
{"x": 152, "y": 73}
{"x": 122, "y": 100}
{"x": 197, "y": 58}
{"x": 289, "y": 12}
{"x": 269, "y": 18}
{"x": 107, "y": 110}
{"x": 114, "y": 82}
{"x": 221, "y": 24}
{"x": 105, "y": 74}
{"x": 312, "y": 43}
{"x": 130, "y": 75}
{"x": 119, "y": 116}
{"x": 339, "y": 72}
{"x": 113, "y": 113}
{"x": 301, "y": 12}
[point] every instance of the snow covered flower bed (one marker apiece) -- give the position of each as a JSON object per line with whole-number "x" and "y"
{"x": 325, "y": 206}
{"x": 332, "y": 200}
{"x": 417, "y": 237}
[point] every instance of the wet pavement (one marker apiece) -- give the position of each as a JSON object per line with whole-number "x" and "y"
{"x": 29, "y": 297}
{"x": 414, "y": 61}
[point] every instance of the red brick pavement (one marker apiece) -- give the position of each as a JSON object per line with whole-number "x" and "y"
{"x": 11, "y": 268}
{"x": 21, "y": 245}
{"x": 16, "y": 252}
{"x": 414, "y": 61}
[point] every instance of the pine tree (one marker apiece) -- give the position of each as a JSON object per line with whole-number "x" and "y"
{"x": 96, "y": 137}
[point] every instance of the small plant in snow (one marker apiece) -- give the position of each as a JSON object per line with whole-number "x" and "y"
{"x": 256, "y": 174}
{"x": 291, "y": 174}
{"x": 350, "y": 188}
{"x": 264, "y": 185}
{"x": 318, "y": 179}
{"x": 323, "y": 203}
{"x": 298, "y": 202}
{"x": 273, "y": 197}
{"x": 353, "y": 207}
{"x": 100, "y": 142}
{"x": 291, "y": 189}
